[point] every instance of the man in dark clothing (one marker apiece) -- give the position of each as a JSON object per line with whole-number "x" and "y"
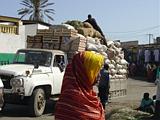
{"x": 94, "y": 24}
{"x": 104, "y": 86}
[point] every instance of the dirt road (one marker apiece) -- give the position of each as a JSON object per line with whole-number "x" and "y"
{"x": 135, "y": 91}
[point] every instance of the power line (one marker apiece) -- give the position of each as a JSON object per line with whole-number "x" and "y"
{"x": 133, "y": 35}
{"x": 134, "y": 31}
{"x": 129, "y": 36}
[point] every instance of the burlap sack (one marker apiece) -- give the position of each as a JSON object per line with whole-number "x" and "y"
{"x": 86, "y": 31}
{"x": 87, "y": 25}
{"x": 97, "y": 34}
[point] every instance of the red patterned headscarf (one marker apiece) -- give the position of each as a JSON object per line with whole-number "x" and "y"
{"x": 78, "y": 101}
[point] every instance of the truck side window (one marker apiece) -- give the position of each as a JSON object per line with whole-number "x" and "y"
{"x": 58, "y": 60}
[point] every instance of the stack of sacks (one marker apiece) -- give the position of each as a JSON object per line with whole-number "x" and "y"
{"x": 93, "y": 44}
{"x": 112, "y": 52}
{"x": 84, "y": 28}
{"x": 117, "y": 63}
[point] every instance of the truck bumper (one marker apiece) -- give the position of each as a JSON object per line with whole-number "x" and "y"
{"x": 15, "y": 98}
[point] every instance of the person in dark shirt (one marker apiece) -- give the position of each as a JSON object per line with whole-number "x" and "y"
{"x": 94, "y": 24}
{"x": 103, "y": 86}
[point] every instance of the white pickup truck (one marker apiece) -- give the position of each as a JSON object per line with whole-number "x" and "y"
{"x": 35, "y": 76}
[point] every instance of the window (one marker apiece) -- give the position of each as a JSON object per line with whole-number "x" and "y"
{"x": 58, "y": 60}
{"x": 33, "y": 56}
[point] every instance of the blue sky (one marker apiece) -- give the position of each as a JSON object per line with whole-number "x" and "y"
{"x": 124, "y": 20}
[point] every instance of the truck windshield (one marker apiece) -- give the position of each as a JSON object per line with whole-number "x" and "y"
{"x": 42, "y": 58}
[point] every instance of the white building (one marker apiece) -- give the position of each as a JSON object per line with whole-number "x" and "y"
{"x": 13, "y": 35}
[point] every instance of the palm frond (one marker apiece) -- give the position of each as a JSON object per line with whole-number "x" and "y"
{"x": 30, "y": 12}
{"x": 23, "y": 16}
{"x": 20, "y": 10}
{"x": 31, "y": 17}
{"x": 24, "y": 11}
{"x": 26, "y": 2}
{"x": 42, "y": 2}
{"x": 49, "y": 16}
{"x": 48, "y": 11}
{"x": 46, "y": 5}
{"x": 51, "y": 10}
{"x": 30, "y": 6}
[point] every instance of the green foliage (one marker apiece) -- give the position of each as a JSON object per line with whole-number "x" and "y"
{"x": 75, "y": 23}
{"x": 128, "y": 114}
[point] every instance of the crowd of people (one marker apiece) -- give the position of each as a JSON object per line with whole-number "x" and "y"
{"x": 151, "y": 73}
{"x": 146, "y": 70}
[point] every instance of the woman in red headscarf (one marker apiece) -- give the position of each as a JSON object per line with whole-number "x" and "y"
{"x": 78, "y": 101}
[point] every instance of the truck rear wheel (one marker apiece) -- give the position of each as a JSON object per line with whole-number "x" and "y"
{"x": 37, "y": 102}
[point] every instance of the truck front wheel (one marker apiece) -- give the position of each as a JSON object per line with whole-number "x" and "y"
{"x": 37, "y": 102}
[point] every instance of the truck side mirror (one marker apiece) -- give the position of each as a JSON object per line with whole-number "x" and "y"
{"x": 36, "y": 65}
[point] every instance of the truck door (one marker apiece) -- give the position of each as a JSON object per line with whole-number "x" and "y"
{"x": 58, "y": 73}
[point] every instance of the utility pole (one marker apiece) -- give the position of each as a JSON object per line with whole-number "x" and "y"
{"x": 149, "y": 37}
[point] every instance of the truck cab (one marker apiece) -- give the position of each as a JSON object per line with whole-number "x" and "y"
{"x": 35, "y": 76}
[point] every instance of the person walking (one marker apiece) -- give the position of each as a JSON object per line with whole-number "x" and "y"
{"x": 149, "y": 72}
{"x": 78, "y": 101}
{"x": 104, "y": 86}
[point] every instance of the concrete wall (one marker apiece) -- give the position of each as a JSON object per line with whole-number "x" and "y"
{"x": 9, "y": 43}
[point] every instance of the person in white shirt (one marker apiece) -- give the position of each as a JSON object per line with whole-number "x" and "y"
{"x": 147, "y": 54}
{"x": 156, "y": 55}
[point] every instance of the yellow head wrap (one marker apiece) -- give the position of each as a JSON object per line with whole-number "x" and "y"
{"x": 92, "y": 63}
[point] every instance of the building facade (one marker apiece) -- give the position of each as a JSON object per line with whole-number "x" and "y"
{"x": 13, "y": 36}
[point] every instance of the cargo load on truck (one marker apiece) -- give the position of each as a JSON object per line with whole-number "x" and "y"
{"x": 75, "y": 36}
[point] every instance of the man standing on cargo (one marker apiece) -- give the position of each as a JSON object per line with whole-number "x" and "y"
{"x": 94, "y": 24}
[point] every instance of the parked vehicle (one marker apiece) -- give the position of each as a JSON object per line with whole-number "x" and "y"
{"x": 35, "y": 76}
{"x": 1, "y": 95}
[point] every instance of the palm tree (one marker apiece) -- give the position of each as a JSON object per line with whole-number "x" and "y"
{"x": 37, "y": 9}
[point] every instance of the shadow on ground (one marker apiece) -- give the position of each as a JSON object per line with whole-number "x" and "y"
{"x": 11, "y": 110}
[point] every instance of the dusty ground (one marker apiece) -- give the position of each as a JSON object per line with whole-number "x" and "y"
{"x": 135, "y": 90}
